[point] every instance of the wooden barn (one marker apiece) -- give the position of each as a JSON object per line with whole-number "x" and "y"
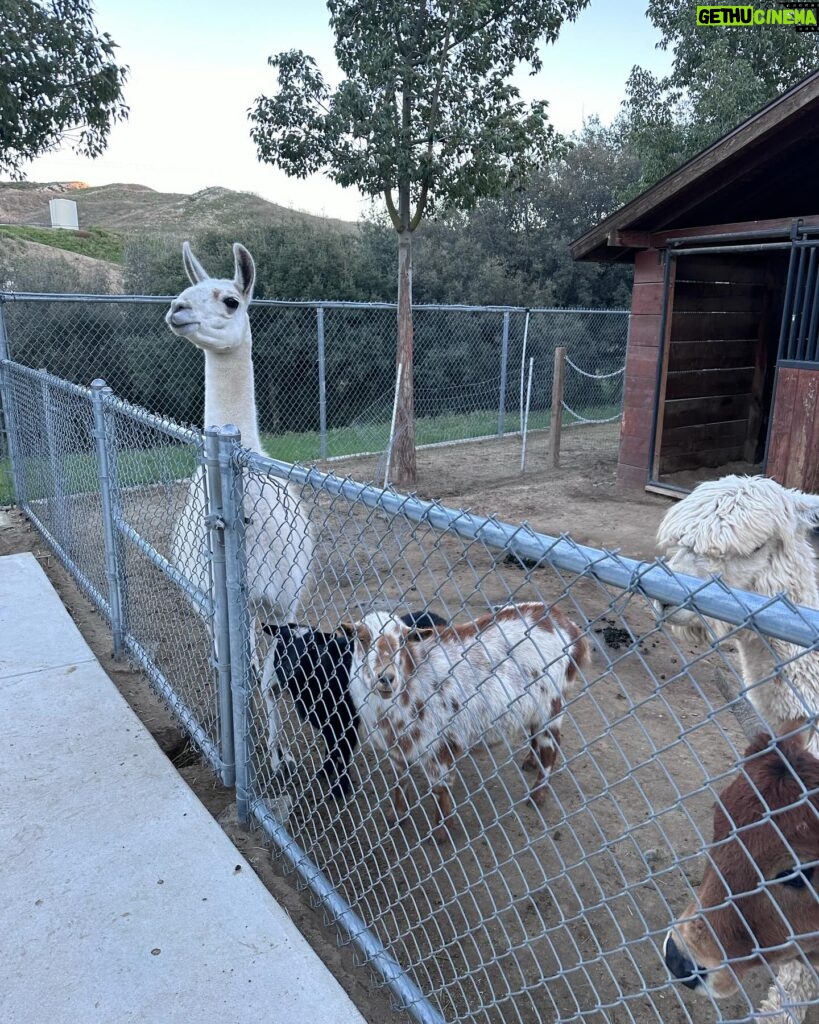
{"x": 722, "y": 367}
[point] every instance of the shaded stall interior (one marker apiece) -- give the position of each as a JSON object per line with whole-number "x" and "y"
{"x": 723, "y": 314}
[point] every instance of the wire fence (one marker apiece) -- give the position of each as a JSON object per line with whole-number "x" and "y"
{"x": 505, "y": 812}
{"x": 325, "y": 372}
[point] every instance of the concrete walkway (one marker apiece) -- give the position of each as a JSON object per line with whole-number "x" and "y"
{"x": 121, "y": 899}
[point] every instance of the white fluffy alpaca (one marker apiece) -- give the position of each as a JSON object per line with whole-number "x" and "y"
{"x": 213, "y": 315}
{"x": 752, "y": 532}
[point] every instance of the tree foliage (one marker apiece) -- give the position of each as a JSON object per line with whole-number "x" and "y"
{"x": 426, "y": 117}
{"x": 426, "y": 104}
{"x": 719, "y": 77}
{"x": 58, "y": 78}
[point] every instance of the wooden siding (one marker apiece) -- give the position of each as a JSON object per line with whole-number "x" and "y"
{"x": 641, "y": 369}
{"x": 793, "y": 453}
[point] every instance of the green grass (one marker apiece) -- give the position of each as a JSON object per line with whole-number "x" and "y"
{"x": 136, "y": 468}
{"x": 97, "y": 243}
{"x": 6, "y": 485}
{"x": 374, "y": 437}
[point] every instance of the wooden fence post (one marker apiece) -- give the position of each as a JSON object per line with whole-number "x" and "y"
{"x": 556, "y": 419}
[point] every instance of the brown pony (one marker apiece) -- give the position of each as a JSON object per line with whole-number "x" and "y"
{"x": 758, "y": 901}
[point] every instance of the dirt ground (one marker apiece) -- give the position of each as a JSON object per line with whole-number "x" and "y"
{"x": 580, "y": 497}
{"x": 529, "y": 915}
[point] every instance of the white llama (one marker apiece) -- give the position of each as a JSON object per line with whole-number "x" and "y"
{"x": 753, "y": 533}
{"x": 213, "y": 315}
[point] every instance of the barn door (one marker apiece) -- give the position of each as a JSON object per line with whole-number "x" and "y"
{"x": 793, "y": 433}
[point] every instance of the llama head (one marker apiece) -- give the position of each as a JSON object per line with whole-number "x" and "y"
{"x": 212, "y": 313}
{"x": 757, "y": 902}
{"x": 748, "y": 530}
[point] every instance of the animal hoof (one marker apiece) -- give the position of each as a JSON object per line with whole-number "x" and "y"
{"x": 530, "y": 763}
{"x": 539, "y": 796}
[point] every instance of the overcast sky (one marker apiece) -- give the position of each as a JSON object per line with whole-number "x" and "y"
{"x": 197, "y": 66}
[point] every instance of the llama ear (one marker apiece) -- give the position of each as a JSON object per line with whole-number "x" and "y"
{"x": 244, "y": 275}
{"x": 807, "y": 508}
{"x": 193, "y": 268}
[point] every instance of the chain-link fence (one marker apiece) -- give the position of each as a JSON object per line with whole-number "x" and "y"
{"x": 505, "y": 811}
{"x": 108, "y": 486}
{"x": 325, "y": 372}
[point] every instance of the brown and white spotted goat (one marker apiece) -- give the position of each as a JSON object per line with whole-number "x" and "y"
{"x": 758, "y": 902}
{"x": 427, "y": 696}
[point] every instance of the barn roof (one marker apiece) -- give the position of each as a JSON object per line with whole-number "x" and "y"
{"x": 766, "y": 168}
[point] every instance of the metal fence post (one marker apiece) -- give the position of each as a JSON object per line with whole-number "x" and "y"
{"x": 7, "y": 409}
{"x": 322, "y": 385}
{"x": 503, "y": 371}
{"x": 215, "y": 521}
{"x": 99, "y": 391}
{"x": 523, "y": 365}
{"x": 238, "y": 617}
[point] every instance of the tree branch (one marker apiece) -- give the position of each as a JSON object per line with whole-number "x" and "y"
{"x": 391, "y": 209}
{"x": 431, "y": 124}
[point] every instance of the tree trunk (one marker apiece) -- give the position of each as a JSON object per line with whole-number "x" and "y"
{"x": 403, "y": 452}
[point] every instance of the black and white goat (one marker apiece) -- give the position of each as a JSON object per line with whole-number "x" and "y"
{"x": 314, "y": 668}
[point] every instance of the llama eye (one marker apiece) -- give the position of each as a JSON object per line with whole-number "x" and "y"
{"x": 794, "y": 877}
{"x": 231, "y": 303}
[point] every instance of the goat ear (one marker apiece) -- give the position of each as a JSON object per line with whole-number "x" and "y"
{"x": 244, "y": 274}
{"x": 193, "y": 268}
{"x": 275, "y": 628}
{"x": 415, "y": 635}
{"x": 355, "y": 631}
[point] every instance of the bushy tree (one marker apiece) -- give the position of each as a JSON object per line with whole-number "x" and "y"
{"x": 526, "y": 231}
{"x": 720, "y": 75}
{"x": 426, "y": 118}
{"x": 58, "y": 79}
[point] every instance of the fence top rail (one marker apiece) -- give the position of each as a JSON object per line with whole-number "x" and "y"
{"x": 190, "y": 435}
{"x": 46, "y": 378}
{"x": 774, "y": 616}
{"x": 302, "y": 303}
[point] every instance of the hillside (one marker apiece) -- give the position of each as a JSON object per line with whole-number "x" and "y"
{"x": 136, "y": 208}
{"x": 36, "y": 257}
{"x": 56, "y": 269}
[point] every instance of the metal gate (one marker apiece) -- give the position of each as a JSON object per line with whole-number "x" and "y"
{"x": 799, "y": 333}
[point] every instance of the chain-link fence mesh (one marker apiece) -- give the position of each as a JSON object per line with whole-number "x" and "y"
{"x": 523, "y": 912}
{"x": 56, "y": 471}
{"x": 506, "y": 811}
{"x": 109, "y": 488}
{"x": 325, "y": 372}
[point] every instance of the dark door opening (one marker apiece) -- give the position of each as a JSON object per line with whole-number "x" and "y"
{"x": 722, "y": 328}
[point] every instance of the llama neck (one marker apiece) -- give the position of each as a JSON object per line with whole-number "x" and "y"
{"x": 230, "y": 395}
{"x": 791, "y": 687}
{"x": 794, "y": 573}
